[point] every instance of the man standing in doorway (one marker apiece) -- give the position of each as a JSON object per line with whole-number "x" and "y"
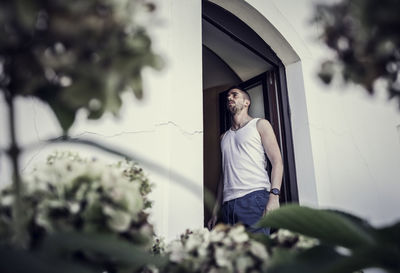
{"x": 245, "y": 191}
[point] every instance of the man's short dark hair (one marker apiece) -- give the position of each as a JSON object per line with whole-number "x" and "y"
{"x": 246, "y": 94}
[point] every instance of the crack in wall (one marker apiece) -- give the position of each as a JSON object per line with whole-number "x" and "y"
{"x": 33, "y": 157}
{"x": 35, "y": 126}
{"x": 161, "y": 124}
{"x": 85, "y": 133}
{"x": 112, "y": 136}
{"x": 183, "y": 131}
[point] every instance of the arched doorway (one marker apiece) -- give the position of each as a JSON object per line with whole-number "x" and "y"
{"x": 233, "y": 54}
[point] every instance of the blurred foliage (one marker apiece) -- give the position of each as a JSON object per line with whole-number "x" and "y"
{"x": 365, "y": 36}
{"x": 228, "y": 249}
{"x": 75, "y": 54}
{"x": 81, "y": 197}
{"x": 15, "y": 260}
{"x": 224, "y": 249}
{"x": 79, "y": 252}
{"x": 346, "y": 243}
{"x": 75, "y": 214}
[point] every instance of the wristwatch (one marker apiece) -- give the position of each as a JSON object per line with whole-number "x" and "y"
{"x": 275, "y": 191}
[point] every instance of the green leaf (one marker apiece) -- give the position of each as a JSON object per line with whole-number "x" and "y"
{"x": 326, "y": 259}
{"x": 22, "y": 261}
{"x": 318, "y": 259}
{"x": 327, "y": 226}
{"x": 361, "y": 223}
{"x": 390, "y": 234}
{"x": 64, "y": 115}
{"x": 27, "y": 12}
{"x": 111, "y": 248}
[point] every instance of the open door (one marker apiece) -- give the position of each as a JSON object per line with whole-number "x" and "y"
{"x": 233, "y": 54}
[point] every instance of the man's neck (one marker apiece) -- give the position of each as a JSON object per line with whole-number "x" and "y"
{"x": 240, "y": 119}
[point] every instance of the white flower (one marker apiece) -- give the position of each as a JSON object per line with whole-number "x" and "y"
{"x": 146, "y": 230}
{"x": 117, "y": 220}
{"x": 238, "y": 234}
{"x": 244, "y": 262}
{"x": 216, "y": 235}
{"x": 74, "y": 207}
{"x": 227, "y": 241}
{"x": 306, "y": 242}
{"x": 131, "y": 198}
{"x": 284, "y": 235}
{"x": 202, "y": 250}
{"x": 192, "y": 242}
{"x": 205, "y": 234}
{"x": 258, "y": 250}
{"x": 72, "y": 193}
{"x": 177, "y": 252}
{"x": 7, "y": 200}
{"x": 222, "y": 258}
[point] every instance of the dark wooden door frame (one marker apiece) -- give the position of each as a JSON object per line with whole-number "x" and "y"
{"x": 290, "y": 187}
{"x": 274, "y": 89}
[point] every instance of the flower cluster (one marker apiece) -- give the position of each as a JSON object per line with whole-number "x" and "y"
{"x": 159, "y": 246}
{"x": 135, "y": 173}
{"x": 71, "y": 193}
{"x": 224, "y": 249}
{"x": 287, "y": 239}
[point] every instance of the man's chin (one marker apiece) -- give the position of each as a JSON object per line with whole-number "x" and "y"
{"x": 233, "y": 110}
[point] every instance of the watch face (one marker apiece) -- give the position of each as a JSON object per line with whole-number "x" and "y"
{"x": 275, "y": 191}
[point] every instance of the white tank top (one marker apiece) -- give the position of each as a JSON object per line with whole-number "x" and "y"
{"x": 243, "y": 162}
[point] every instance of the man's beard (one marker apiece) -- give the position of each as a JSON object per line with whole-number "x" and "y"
{"x": 234, "y": 109}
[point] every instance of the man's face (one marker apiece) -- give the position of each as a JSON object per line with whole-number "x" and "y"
{"x": 235, "y": 101}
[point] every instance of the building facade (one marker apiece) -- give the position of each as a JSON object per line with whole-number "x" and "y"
{"x": 341, "y": 148}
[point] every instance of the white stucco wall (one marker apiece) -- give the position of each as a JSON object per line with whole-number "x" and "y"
{"x": 354, "y": 138}
{"x": 347, "y": 145}
{"x": 164, "y": 130}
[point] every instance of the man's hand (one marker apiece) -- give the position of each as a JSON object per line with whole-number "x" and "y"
{"x": 212, "y": 222}
{"x": 273, "y": 203}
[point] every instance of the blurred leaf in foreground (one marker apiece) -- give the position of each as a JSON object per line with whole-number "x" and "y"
{"x": 75, "y": 54}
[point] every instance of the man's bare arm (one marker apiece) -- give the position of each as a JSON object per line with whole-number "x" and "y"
{"x": 273, "y": 152}
{"x": 218, "y": 202}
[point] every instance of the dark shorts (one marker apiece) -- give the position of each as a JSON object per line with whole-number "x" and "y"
{"x": 246, "y": 210}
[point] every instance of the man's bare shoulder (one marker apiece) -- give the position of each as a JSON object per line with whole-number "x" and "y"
{"x": 263, "y": 123}
{"x": 264, "y": 127}
{"x": 222, "y": 136}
